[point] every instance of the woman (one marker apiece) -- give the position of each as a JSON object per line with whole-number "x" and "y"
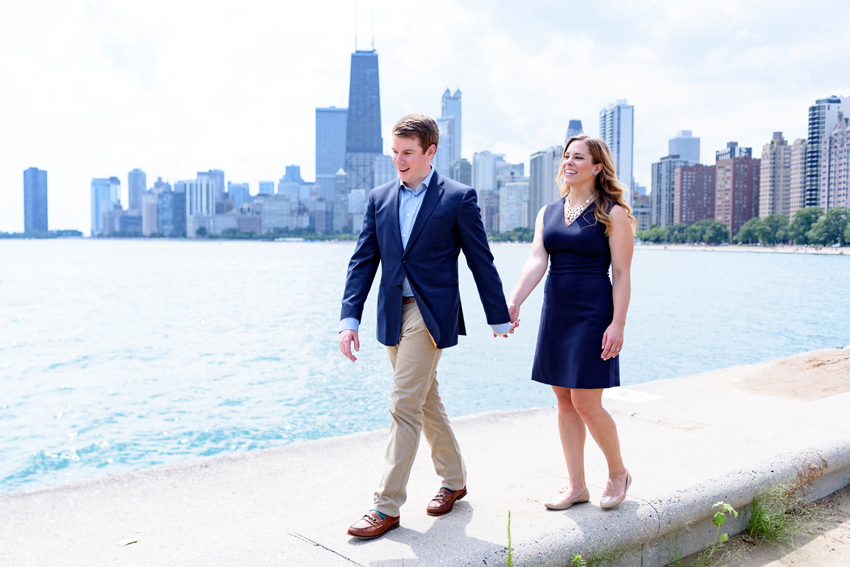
{"x": 581, "y": 328}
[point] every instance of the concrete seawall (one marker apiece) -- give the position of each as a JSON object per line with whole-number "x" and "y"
{"x": 688, "y": 442}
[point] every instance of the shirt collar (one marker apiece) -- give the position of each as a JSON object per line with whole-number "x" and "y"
{"x": 426, "y": 182}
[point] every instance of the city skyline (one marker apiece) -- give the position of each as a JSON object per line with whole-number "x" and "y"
{"x": 259, "y": 114}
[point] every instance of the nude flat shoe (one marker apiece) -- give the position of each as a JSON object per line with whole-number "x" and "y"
{"x": 608, "y": 502}
{"x": 564, "y": 504}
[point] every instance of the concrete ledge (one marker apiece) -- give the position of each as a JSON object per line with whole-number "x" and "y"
{"x": 689, "y": 442}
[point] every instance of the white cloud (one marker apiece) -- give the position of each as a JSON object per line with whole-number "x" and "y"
{"x": 93, "y": 89}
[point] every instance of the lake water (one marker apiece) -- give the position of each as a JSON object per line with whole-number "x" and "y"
{"x": 116, "y": 355}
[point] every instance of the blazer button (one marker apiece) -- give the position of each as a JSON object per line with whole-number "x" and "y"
{"x": 399, "y": 286}
{"x": 404, "y": 260}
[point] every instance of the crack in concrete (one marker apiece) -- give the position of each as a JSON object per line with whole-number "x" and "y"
{"x": 317, "y": 544}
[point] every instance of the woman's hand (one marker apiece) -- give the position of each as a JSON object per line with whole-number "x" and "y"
{"x": 513, "y": 311}
{"x": 612, "y": 341}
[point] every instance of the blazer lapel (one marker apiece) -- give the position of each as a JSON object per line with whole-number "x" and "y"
{"x": 393, "y": 215}
{"x": 432, "y": 197}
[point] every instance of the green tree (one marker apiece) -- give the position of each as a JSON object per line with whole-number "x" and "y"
{"x": 202, "y": 232}
{"x": 716, "y": 233}
{"x": 802, "y": 223}
{"x": 748, "y": 233}
{"x": 771, "y": 229}
{"x": 696, "y": 232}
{"x": 847, "y": 234}
{"x": 675, "y": 233}
{"x": 655, "y": 234}
{"x": 830, "y": 228}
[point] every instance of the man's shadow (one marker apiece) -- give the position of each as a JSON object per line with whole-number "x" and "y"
{"x": 445, "y": 539}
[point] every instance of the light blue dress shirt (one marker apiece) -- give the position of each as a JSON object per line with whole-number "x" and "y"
{"x": 409, "y": 203}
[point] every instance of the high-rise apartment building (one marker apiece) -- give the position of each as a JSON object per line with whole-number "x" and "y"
{"x": 542, "y": 186}
{"x": 35, "y": 200}
{"x": 238, "y": 193}
{"x": 171, "y": 214}
{"x": 775, "y": 177}
{"x": 484, "y": 166}
{"x": 340, "y": 202}
{"x": 489, "y": 209}
{"x": 451, "y": 107}
{"x": 217, "y": 178}
{"x": 736, "y": 199}
{"x": 797, "y": 183}
{"x": 732, "y": 151}
{"x": 265, "y": 188}
{"x": 616, "y": 127}
{"x": 823, "y": 116}
{"x": 573, "y": 129}
{"x": 137, "y": 184}
{"x": 663, "y": 189}
{"x": 508, "y": 173}
{"x": 461, "y": 171}
{"x": 105, "y": 196}
{"x": 693, "y": 193}
{"x": 513, "y": 205}
{"x": 363, "y": 140}
{"x": 384, "y": 170}
{"x": 685, "y": 145}
{"x": 331, "y": 123}
{"x": 445, "y": 149}
{"x": 201, "y": 202}
{"x": 835, "y": 166}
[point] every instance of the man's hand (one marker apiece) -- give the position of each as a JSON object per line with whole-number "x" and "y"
{"x": 345, "y": 338}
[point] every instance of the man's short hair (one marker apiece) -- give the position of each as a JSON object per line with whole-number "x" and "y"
{"x": 418, "y": 126}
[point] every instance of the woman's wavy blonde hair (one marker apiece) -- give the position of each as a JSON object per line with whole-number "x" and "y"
{"x": 610, "y": 191}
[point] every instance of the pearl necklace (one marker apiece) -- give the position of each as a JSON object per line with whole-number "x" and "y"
{"x": 572, "y": 213}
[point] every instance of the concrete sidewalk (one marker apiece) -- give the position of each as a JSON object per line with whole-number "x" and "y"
{"x": 688, "y": 442}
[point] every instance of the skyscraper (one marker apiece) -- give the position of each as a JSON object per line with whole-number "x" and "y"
{"x": 693, "y": 193}
{"x": 266, "y": 188}
{"x": 461, "y": 171}
{"x": 543, "y": 187}
{"x": 736, "y": 199}
{"x": 685, "y": 145}
{"x": 484, "y": 165}
{"x": 384, "y": 170}
{"x": 797, "y": 190}
{"x": 835, "y": 166}
{"x": 445, "y": 149}
{"x": 363, "y": 139}
{"x": 330, "y": 146}
{"x": 105, "y": 196}
{"x": 340, "y": 202}
{"x": 35, "y": 200}
{"x": 293, "y": 173}
{"x": 663, "y": 189}
{"x": 573, "y": 129}
{"x": 732, "y": 151}
{"x": 775, "y": 177}
{"x": 137, "y": 183}
{"x": 823, "y": 116}
{"x": 513, "y": 205}
{"x": 616, "y": 127}
{"x": 200, "y": 202}
{"x": 451, "y": 106}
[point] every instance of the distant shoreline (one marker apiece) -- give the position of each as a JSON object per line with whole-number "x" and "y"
{"x": 781, "y": 249}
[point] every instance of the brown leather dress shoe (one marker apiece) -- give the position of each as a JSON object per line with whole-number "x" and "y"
{"x": 444, "y": 500}
{"x": 371, "y": 526}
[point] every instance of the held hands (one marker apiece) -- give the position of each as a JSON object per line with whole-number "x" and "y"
{"x": 345, "y": 339}
{"x": 612, "y": 341}
{"x": 513, "y": 311}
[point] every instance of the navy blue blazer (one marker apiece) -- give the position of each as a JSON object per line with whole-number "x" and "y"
{"x": 449, "y": 221}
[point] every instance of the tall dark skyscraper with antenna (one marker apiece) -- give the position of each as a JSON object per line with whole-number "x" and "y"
{"x": 363, "y": 141}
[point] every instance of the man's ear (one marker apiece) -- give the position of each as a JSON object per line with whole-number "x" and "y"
{"x": 431, "y": 151}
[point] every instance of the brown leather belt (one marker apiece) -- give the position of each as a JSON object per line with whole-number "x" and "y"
{"x": 409, "y": 299}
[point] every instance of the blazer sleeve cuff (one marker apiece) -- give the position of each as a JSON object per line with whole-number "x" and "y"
{"x": 502, "y": 328}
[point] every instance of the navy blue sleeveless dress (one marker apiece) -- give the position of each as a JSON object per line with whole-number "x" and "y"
{"x": 578, "y": 304}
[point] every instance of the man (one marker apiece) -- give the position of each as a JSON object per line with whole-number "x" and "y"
{"x": 414, "y": 227}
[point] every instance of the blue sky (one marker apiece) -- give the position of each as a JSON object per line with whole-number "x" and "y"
{"x": 94, "y": 89}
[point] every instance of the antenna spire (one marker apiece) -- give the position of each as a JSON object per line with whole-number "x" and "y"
{"x": 355, "y": 26}
{"x": 373, "y": 28}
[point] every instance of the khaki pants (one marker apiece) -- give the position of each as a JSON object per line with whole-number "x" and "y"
{"x": 415, "y": 408}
